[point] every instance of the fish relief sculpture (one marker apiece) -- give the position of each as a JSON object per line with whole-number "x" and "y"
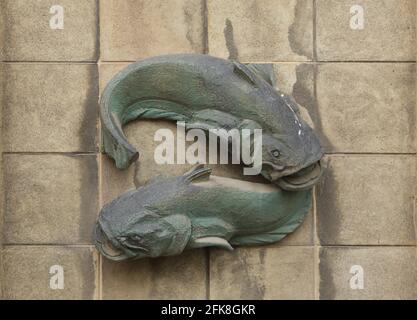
{"x": 170, "y": 215}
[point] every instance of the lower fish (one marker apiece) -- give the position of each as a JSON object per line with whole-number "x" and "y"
{"x": 170, "y": 215}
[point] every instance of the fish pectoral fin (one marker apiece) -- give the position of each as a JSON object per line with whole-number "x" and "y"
{"x": 198, "y": 173}
{"x": 244, "y": 72}
{"x": 264, "y": 70}
{"x": 212, "y": 242}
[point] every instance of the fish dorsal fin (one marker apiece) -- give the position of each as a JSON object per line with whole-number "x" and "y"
{"x": 264, "y": 70}
{"x": 212, "y": 242}
{"x": 243, "y": 72}
{"x": 198, "y": 173}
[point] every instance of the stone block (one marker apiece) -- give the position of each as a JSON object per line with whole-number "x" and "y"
{"x": 367, "y": 107}
{"x": 179, "y": 277}
{"x": 262, "y": 31}
{"x": 28, "y": 35}
{"x": 50, "y": 108}
{"x": 34, "y": 273}
{"x": 372, "y": 273}
{"x": 367, "y": 200}
{"x": 137, "y": 29}
{"x": 50, "y": 198}
{"x": 262, "y": 273}
{"x": 366, "y": 30}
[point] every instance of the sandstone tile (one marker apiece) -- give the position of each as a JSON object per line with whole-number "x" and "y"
{"x": 179, "y": 277}
{"x": 50, "y": 198}
{"x": 367, "y": 200}
{"x": 28, "y": 35}
{"x": 265, "y": 30}
{"x": 367, "y": 107}
{"x": 262, "y": 273}
{"x": 59, "y": 101}
{"x": 388, "y": 273}
{"x": 136, "y": 29}
{"x": 28, "y": 274}
{"x": 388, "y": 34}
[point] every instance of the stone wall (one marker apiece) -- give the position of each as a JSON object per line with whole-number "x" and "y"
{"x": 357, "y": 85}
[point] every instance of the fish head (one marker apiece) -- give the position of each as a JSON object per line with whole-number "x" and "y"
{"x": 291, "y": 151}
{"x": 140, "y": 234}
{"x": 292, "y": 160}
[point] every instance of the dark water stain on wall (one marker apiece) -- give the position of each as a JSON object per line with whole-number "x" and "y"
{"x": 308, "y": 98}
{"x": 197, "y": 41}
{"x": 411, "y": 110}
{"x": 250, "y": 283}
{"x": 298, "y": 30}
{"x": 230, "y": 41}
{"x": 87, "y": 265}
{"x": 188, "y": 17}
{"x": 328, "y": 223}
{"x": 96, "y": 54}
{"x": 327, "y": 289}
{"x": 204, "y": 14}
{"x": 88, "y": 128}
{"x": 88, "y": 195}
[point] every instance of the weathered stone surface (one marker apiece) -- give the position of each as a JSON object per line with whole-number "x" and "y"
{"x": 29, "y": 37}
{"x": 367, "y": 200}
{"x": 262, "y": 273}
{"x": 388, "y": 32}
{"x": 50, "y": 198}
{"x": 367, "y": 107}
{"x": 27, "y": 272}
{"x": 132, "y": 30}
{"x": 265, "y": 31}
{"x": 388, "y": 272}
{"x": 50, "y": 107}
{"x": 179, "y": 277}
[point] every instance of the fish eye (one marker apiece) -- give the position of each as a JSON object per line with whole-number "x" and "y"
{"x": 275, "y": 153}
{"x": 133, "y": 242}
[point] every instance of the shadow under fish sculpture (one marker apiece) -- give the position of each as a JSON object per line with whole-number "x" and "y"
{"x": 170, "y": 215}
{"x": 212, "y": 93}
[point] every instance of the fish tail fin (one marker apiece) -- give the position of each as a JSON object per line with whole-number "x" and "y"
{"x": 122, "y": 154}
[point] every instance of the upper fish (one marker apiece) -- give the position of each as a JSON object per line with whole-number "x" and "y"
{"x": 211, "y": 93}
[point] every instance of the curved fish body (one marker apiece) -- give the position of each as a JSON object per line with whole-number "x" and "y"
{"x": 170, "y": 215}
{"x": 211, "y": 93}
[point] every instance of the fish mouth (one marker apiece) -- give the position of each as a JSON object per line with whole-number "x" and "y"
{"x": 303, "y": 179}
{"x": 105, "y": 246}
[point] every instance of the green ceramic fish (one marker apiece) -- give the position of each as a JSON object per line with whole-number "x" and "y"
{"x": 170, "y": 215}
